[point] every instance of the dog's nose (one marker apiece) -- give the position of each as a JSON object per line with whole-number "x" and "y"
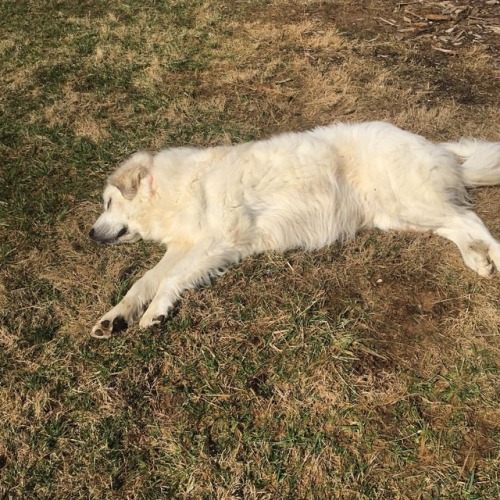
{"x": 91, "y": 234}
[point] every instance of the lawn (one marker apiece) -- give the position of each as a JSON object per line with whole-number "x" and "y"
{"x": 365, "y": 370}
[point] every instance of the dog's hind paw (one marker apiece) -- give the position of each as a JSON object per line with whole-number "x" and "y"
{"x": 478, "y": 260}
{"x": 105, "y": 328}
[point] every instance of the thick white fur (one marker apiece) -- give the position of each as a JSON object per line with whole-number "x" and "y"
{"x": 213, "y": 207}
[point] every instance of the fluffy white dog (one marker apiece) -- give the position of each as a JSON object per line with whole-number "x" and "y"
{"x": 213, "y": 207}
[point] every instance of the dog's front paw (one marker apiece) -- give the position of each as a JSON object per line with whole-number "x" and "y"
{"x": 149, "y": 321}
{"x": 105, "y": 327}
{"x": 156, "y": 314}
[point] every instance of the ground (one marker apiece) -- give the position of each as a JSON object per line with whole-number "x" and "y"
{"x": 364, "y": 370}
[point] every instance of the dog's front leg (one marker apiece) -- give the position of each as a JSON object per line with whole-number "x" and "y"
{"x": 139, "y": 295}
{"x": 195, "y": 268}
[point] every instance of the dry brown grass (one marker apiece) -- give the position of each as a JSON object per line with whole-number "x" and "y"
{"x": 363, "y": 371}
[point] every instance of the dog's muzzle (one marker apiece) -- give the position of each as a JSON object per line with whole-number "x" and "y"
{"x": 105, "y": 237}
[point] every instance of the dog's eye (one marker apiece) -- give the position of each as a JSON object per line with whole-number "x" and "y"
{"x": 109, "y": 204}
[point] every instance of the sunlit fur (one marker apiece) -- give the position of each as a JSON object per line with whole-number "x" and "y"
{"x": 212, "y": 207}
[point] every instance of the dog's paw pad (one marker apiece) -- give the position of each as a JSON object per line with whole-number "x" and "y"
{"x": 119, "y": 324}
{"x": 101, "y": 330}
{"x": 104, "y": 329}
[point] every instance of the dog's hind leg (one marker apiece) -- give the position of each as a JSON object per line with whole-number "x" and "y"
{"x": 196, "y": 268}
{"x": 480, "y": 251}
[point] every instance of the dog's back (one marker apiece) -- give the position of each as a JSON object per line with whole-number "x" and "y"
{"x": 311, "y": 188}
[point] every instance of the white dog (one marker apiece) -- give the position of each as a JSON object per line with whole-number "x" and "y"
{"x": 213, "y": 207}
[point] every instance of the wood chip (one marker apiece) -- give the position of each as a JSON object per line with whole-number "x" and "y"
{"x": 392, "y": 23}
{"x": 414, "y": 14}
{"x": 446, "y": 51}
{"x": 437, "y": 17}
{"x": 458, "y": 37}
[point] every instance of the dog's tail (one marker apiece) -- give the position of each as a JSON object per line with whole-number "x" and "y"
{"x": 480, "y": 161}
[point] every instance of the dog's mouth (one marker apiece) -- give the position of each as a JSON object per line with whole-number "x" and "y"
{"x": 104, "y": 236}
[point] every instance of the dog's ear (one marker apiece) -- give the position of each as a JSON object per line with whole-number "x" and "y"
{"x": 129, "y": 175}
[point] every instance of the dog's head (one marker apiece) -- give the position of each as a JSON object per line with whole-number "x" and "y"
{"x": 128, "y": 190}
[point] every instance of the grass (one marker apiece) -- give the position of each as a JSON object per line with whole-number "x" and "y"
{"x": 365, "y": 370}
